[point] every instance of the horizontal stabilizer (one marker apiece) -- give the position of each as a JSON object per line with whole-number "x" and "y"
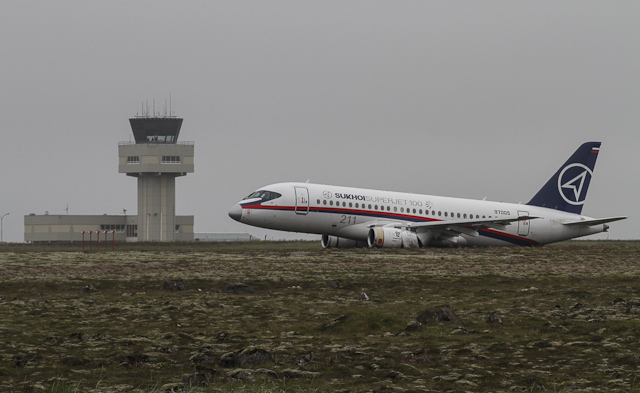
{"x": 594, "y": 221}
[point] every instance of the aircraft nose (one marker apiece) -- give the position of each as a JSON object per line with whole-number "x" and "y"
{"x": 236, "y": 212}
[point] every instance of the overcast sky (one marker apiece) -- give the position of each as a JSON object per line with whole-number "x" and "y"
{"x": 458, "y": 98}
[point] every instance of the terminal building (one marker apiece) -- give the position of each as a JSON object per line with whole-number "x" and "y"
{"x": 156, "y": 159}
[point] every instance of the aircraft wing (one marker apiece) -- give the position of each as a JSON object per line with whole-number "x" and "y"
{"x": 594, "y": 221}
{"x": 467, "y": 227}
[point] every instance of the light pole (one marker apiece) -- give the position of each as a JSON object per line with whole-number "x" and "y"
{"x": 2, "y": 218}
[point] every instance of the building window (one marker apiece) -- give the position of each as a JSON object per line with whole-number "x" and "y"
{"x": 133, "y": 160}
{"x": 170, "y": 159}
{"x": 132, "y": 231}
{"x": 112, "y": 227}
{"x": 177, "y": 228}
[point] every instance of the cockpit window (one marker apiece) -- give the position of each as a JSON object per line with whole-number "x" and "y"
{"x": 265, "y": 195}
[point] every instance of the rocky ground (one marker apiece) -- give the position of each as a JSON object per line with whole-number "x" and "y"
{"x": 292, "y": 317}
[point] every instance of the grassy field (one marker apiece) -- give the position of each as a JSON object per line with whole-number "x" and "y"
{"x": 292, "y": 317}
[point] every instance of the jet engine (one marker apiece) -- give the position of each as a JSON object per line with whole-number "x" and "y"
{"x": 389, "y": 237}
{"x": 340, "y": 242}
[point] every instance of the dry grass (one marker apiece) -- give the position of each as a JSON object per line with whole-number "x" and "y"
{"x": 73, "y": 321}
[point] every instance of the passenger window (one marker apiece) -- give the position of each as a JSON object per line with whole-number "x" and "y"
{"x": 318, "y": 201}
{"x": 402, "y": 209}
{"x": 458, "y": 215}
{"x": 324, "y": 202}
{"x": 395, "y": 208}
{"x": 445, "y": 214}
{"x": 375, "y": 207}
{"x": 388, "y": 208}
{"x": 439, "y": 213}
{"x": 420, "y": 211}
{"x": 344, "y": 204}
{"x": 331, "y": 203}
{"x": 465, "y": 215}
{"x": 350, "y": 204}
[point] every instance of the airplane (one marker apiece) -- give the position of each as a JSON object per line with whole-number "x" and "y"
{"x": 347, "y": 217}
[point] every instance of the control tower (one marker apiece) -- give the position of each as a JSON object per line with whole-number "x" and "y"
{"x": 156, "y": 158}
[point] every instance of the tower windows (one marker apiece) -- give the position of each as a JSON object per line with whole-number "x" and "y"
{"x": 170, "y": 159}
{"x": 133, "y": 160}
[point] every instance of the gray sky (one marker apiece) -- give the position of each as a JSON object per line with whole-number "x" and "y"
{"x": 456, "y": 98}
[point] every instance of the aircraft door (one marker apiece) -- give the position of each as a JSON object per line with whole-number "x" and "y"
{"x": 302, "y": 200}
{"x": 524, "y": 225}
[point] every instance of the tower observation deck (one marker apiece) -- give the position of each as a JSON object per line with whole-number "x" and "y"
{"x": 156, "y": 158}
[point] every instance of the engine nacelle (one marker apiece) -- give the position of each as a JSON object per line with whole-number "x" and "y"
{"x": 389, "y": 237}
{"x": 340, "y": 242}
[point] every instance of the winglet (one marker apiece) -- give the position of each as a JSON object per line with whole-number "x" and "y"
{"x": 567, "y": 188}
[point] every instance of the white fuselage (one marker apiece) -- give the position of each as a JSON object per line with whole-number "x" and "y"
{"x": 349, "y": 213}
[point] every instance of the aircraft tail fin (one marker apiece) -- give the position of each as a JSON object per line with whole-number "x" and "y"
{"x": 567, "y": 188}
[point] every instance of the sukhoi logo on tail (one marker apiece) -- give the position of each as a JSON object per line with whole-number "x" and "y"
{"x": 571, "y": 182}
